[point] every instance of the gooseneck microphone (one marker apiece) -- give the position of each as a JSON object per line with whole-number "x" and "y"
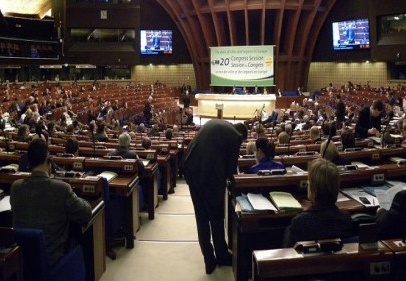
{"x": 330, "y": 136}
{"x": 91, "y": 127}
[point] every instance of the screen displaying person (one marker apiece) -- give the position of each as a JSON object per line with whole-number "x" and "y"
{"x": 156, "y": 40}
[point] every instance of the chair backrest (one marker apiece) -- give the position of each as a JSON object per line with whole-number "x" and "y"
{"x": 35, "y": 257}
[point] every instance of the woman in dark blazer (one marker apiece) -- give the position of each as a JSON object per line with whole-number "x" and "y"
{"x": 392, "y": 222}
{"x": 323, "y": 219}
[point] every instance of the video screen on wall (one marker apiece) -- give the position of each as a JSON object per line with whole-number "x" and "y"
{"x": 351, "y": 35}
{"x": 156, "y": 42}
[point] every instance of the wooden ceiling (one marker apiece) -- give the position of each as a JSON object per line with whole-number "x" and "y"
{"x": 291, "y": 25}
{"x": 31, "y": 7}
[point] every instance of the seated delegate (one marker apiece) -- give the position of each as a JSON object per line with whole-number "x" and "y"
{"x": 323, "y": 219}
{"x": 331, "y": 153}
{"x": 43, "y": 203}
{"x": 392, "y": 222}
{"x": 264, "y": 154}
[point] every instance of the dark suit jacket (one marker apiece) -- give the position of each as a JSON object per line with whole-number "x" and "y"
{"x": 319, "y": 222}
{"x": 340, "y": 111}
{"x": 43, "y": 203}
{"x": 392, "y": 223}
{"x": 128, "y": 154}
{"x": 366, "y": 121}
{"x": 211, "y": 158}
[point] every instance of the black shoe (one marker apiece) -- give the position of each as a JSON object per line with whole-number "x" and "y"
{"x": 171, "y": 191}
{"x": 210, "y": 267}
{"x": 110, "y": 253}
{"x": 227, "y": 260}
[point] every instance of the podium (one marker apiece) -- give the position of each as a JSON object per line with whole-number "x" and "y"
{"x": 219, "y": 107}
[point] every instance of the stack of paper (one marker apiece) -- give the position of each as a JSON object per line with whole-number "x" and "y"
{"x": 260, "y": 203}
{"x": 108, "y": 175}
{"x": 359, "y": 195}
{"x": 284, "y": 201}
{"x": 9, "y": 169}
{"x": 385, "y": 198}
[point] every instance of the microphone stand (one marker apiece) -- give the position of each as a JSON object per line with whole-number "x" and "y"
{"x": 384, "y": 131}
{"x": 94, "y": 143}
{"x": 330, "y": 136}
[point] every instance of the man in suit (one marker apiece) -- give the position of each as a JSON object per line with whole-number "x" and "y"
{"x": 211, "y": 159}
{"x": 340, "y": 111}
{"x": 369, "y": 120}
{"x": 48, "y": 204}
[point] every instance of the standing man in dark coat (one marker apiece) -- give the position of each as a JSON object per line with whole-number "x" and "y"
{"x": 340, "y": 111}
{"x": 211, "y": 159}
{"x": 369, "y": 120}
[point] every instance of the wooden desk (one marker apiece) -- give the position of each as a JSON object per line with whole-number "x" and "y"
{"x": 352, "y": 263}
{"x": 92, "y": 236}
{"x": 127, "y": 186}
{"x": 149, "y": 180}
{"x": 165, "y": 169}
{"x": 399, "y": 250}
{"x": 11, "y": 264}
{"x": 251, "y": 231}
{"x": 93, "y": 241}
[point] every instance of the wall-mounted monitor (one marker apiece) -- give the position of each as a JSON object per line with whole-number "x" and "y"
{"x": 351, "y": 35}
{"x": 156, "y": 42}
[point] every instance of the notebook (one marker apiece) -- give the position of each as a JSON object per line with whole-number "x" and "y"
{"x": 260, "y": 202}
{"x": 284, "y": 201}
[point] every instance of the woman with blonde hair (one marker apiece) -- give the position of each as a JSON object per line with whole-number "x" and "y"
{"x": 323, "y": 219}
{"x": 328, "y": 150}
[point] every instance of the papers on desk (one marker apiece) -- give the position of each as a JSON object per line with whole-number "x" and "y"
{"x": 342, "y": 198}
{"x": 398, "y": 160}
{"x": 376, "y": 140}
{"x": 9, "y": 169}
{"x": 284, "y": 201}
{"x": 108, "y": 175}
{"x": 5, "y": 204}
{"x": 260, "y": 202}
{"x": 145, "y": 162}
{"x": 385, "y": 198}
{"x": 244, "y": 203}
{"x": 296, "y": 169}
{"x": 359, "y": 195}
{"x": 360, "y": 165}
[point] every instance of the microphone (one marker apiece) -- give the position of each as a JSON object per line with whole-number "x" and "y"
{"x": 330, "y": 136}
{"x": 91, "y": 127}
